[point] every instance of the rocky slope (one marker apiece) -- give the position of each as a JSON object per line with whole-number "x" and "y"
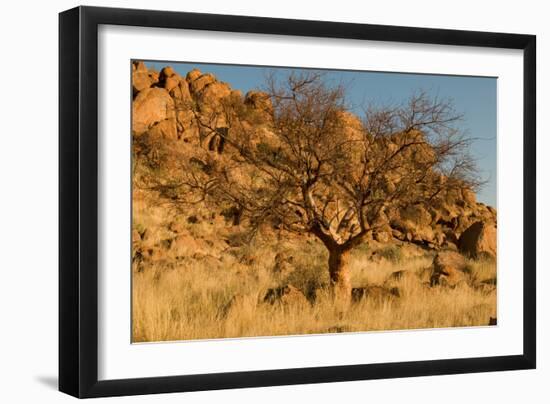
{"x": 164, "y": 110}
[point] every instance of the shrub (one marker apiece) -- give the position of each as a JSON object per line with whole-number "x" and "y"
{"x": 391, "y": 253}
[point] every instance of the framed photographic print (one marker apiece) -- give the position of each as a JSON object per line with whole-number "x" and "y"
{"x": 250, "y": 202}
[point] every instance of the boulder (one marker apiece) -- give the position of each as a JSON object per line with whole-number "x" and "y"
{"x": 193, "y": 75}
{"x": 150, "y": 107}
{"x": 382, "y": 236}
{"x": 463, "y": 222}
{"x": 439, "y": 238}
{"x": 417, "y": 215}
{"x": 382, "y": 231}
{"x": 415, "y": 223}
{"x": 139, "y": 66}
{"x": 142, "y": 77}
{"x": 198, "y": 84}
{"x": 169, "y": 79}
{"x": 212, "y": 93}
{"x": 164, "y": 130}
{"x": 187, "y": 127}
{"x": 287, "y": 295}
{"x": 447, "y": 213}
{"x": 181, "y": 94}
{"x": 406, "y": 230}
{"x": 170, "y": 83}
{"x": 155, "y": 76}
{"x": 448, "y": 269}
{"x": 167, "y": 71}
{"x": 237, "y": 94}
{"x": 479, "y": 240}
{"x": 141, "y": 81}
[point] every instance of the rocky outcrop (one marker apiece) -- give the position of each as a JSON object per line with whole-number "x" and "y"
{"x": 162, "y": 103}
{"x": 442, "y": 223}
{"x": 479, "y": 240}
{"x": 165, "y": 129}
{"x": 142, "y": 77}
{"x": 185, "y": 110}
{"x": 151, "y": 107}
{"x": 449, "y": 268}
{"x": 198, "y": 81}
{"x": 414, "y": 223}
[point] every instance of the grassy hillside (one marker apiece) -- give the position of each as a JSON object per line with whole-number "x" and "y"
{"x": 197, "y": 295}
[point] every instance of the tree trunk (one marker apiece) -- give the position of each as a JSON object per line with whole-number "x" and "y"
{"x": 339, "y": 275}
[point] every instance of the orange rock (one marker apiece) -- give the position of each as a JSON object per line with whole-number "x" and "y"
{"x": 479, "y": 240}
{"x": 150, "y": 107}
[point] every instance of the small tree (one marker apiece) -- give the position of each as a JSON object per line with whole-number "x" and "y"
{"x": 308, "y": 166}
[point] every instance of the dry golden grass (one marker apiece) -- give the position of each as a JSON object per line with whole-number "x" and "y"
{"x": 190, "y": 299}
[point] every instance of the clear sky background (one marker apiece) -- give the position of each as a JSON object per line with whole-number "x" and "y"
{"x": 475, "y": 97}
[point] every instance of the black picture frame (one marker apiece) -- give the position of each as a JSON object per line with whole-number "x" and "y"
{"x": 78, "y": 201}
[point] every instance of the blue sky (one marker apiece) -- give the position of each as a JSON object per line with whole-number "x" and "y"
{"x": 475, "y": 97}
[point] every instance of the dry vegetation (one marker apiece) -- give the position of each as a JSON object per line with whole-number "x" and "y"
{"x": 191, "y": 297}
{"x": 283, "y": 213}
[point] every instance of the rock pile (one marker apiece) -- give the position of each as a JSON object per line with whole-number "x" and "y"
{"x": 165, "y": 106}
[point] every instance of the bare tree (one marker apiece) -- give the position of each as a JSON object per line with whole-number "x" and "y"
{"x": 312, "y": 167}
